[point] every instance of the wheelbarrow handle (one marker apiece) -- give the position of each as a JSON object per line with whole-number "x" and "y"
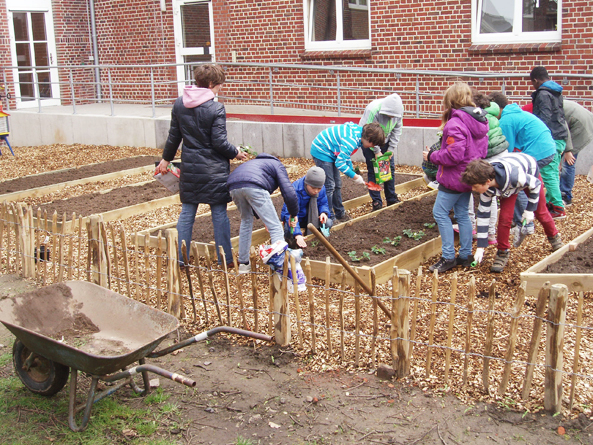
{"x": 155, "y": 370}
{"x": 204, "y": 335}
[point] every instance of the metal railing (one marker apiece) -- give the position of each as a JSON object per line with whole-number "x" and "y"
{"x": 335, "y": 89}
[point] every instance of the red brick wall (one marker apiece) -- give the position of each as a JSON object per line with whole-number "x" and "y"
{"x": 407, "y": 34}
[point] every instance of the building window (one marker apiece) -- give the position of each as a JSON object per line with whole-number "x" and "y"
{"x": 516, "y": 21}
{"x": 337, "y": 24}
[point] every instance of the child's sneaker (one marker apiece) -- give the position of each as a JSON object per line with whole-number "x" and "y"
{"x": 244, "y": 268}
{"x": 492, "y": 239}
{"x": 557, "y": 212}
{"x": 566, "y": 201}
{"x": 556, "y": 242}
{"x": 501, "y": 260}
{"x": 443, "y": 265}
{"x": 434, "y": 185}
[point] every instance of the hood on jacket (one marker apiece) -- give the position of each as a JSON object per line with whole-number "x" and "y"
{"x": 392, "y": 106}
{"x": 194, "y": 96}
{"x": 476, "y": 112}
{"x": 474, "y": 118}
{"x": 551, "y": 85}
{"x": 493, "y": 109}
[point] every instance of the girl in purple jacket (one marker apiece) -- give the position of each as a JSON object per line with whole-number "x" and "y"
{"x": 465, "y": 137}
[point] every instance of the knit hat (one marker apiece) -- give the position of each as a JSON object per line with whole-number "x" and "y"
{"x": 315, "y": 177}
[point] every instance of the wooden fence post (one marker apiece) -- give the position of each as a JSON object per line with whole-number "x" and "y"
{"x": 394, "y": 318}
{"x": 512, "y": 338}
{"x": 468, "y": 329}
{"x": 281, "y": 306}
{"x": 577, "y": 348}
{"x": 451, "y": 323}
{"x": 554, "y": 344}
{"x": 98, "y": 258}
{"x": 403, "y": 326}
{"x": 307, "y": 270}
{"x": 489, "y": 336}
{"x": 174, "y": 299}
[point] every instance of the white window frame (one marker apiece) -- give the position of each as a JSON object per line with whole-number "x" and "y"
{"x": 517, "y": 35}
{"x": 334, "y": 45}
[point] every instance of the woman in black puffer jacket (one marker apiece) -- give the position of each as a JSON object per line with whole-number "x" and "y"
{"x": 200, "y": 122}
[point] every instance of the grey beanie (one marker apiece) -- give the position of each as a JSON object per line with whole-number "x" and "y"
{"x": 315, "y": 177}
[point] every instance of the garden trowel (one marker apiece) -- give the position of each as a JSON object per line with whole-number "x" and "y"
{"x": 324, "y": 230}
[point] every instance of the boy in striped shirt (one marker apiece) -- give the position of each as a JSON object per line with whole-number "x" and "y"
{"x": 332, "y": 149}
{"x": 506, "y": 178}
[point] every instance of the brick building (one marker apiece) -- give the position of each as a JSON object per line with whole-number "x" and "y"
{"x": 453, "y": 36}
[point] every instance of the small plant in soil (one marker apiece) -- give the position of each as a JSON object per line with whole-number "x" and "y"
{"x": 430, "y": 225}
{"x": 314, "y": 243}
{"x": 366, "y": 256}
{"x": 414, "y": 235}
{"x": 394, "y": 242}
{"x": 353, "y": 256}
{"x": 378, "y": 250}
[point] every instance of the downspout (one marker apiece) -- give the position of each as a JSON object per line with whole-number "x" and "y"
{"x": 95, "y": 49}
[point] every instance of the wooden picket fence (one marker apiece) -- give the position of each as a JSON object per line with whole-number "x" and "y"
{"x": 406, "y": 323}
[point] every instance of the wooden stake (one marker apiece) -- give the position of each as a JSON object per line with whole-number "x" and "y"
{"x": 415, "y": 311}
{"x": 47, "y": 253}
{"x": 8, "y": 230}
{"x": 577, "y": 350}
{"x": 115, "y": 271}
{"x": 489, "y": 337}
{"x": 194, "y": 249}
{"x": 37, "y": 241}
{"x": 274, "y": 288}
{"x": 54, "y": 243}
{"x": 295, "y": 294}
{"x": 307, "y": 270}
{"x": 31, "y": 243}
{"x": 375, "y": 318}
{"x": 239, "y": 291}
{"x": 540, "y": 309}
{"x": 211, "y": 280}
{"x": 357, "y": 323}
{"x": 394, "y": 317}
{"x": 341, "y": 315}
{"x": 227, "y": 286}
{"x": 61, "y": 249}
{"x": 159, "y": 270}
{"x": 174, "y": 299}
{"x": 254, "y": 295}
{"x": 79, "y": 244}
{"x": 451, "y": 320}
{"x": 21, "y": 237}
{"x": 3, "y": 214}
{"x": 554, "y": 352}
{"x": 282, "y": 310}
{"x": 433, "y": 308}
{"x": 327, "y": 326}
{"x": 186, "y": 261}
{"x": 137, "y": 268}
{"x": 468, "y": 329}
{"x": 147, "y": 271}
{"x": 71, "y": 247}
{"x": 403, "y": 326}
{"x": 124, "y": 249}
{"x": 512, "y": 339}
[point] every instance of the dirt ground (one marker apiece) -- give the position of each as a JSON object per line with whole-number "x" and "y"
{"x": 579, "y": 261}
{"x": 260, "y": 392}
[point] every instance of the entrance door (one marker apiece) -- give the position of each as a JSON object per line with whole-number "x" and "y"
{"x": 194, "y": 37}
{"x": 33, "y": 52}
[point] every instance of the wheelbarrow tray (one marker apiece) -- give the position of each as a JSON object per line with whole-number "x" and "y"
{"x": 123, "y": 330}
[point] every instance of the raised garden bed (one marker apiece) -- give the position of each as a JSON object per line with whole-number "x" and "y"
{"x": 203, "y": 232}
{"x": 571, "y": 265}
{"x": 45, "y": 183}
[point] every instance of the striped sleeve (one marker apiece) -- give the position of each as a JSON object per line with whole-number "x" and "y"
{"x": 483, "y": 218}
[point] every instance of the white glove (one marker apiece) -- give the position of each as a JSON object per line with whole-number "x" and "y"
{"x": 479, "y": 255}
{"x": 527, "y": 217}
{"x": 358, "y": 179}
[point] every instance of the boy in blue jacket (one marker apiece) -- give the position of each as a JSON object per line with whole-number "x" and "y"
{"x": 251, "y": 185}
{"x": 332, "y": 149}
{"x": 313, "y": 207}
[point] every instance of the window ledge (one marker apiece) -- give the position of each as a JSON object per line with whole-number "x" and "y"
{"x": 340, "y": 54}
{"x": 515, "y": 48}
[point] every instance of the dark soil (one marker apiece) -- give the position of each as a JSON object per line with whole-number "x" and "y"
{"x": 579, "y": 261}
{"x": 204, "y": 232}
{"x": 93, "y": 203}
{"x": 72, "y": 174}
{"x": 362, "y": 236}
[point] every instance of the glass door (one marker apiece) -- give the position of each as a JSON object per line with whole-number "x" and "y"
{"x": 33, "y": 53}
{"x": 194, "y": 37}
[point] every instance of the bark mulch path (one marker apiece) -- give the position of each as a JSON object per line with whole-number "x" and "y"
{"x": 41, "y": 180}
{"x": 382, "y": 236}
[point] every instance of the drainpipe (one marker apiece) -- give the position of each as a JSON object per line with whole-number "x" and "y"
{"x": 95, "y": 49}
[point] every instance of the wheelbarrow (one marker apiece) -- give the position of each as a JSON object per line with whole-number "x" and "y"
{"x": 79, "y": 326}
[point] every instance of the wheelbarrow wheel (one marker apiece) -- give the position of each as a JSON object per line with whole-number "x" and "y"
{"x": 43, "y": 376}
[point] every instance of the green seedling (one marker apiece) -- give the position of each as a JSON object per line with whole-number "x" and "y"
{"x": 366, "y": 256}
{"x": 378, "y": 250}
{"x": 429, "y": 225}
{"x": 394, "y": 242}
{"x": 247, "y": 149}
{"x": 353, "y": 257}
{"x": 314, "y": 243}
{"x": 414, "y": 235}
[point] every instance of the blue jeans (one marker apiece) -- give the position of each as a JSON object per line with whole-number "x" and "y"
{"x": 249, "y": 200}
{"x": 333, "y": 188}
{"x": 567, "y": 178}
{"x": 220, "y": 222}
{"x": 459, "y": 202}
{"x": 389, "y": 186}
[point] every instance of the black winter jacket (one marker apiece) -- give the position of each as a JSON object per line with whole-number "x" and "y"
{"x": 206, "y": 152}
{"x": 548, "y": 105}
{"x": 266, "y": 172}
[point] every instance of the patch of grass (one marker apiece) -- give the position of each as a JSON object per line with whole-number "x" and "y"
{"x": 243, "y": 441}
{"x": 5, "y": 359}
{"x": 156, "y": 397}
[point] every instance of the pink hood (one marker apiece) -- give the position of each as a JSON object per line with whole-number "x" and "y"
{"x": 194, "y": 96}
